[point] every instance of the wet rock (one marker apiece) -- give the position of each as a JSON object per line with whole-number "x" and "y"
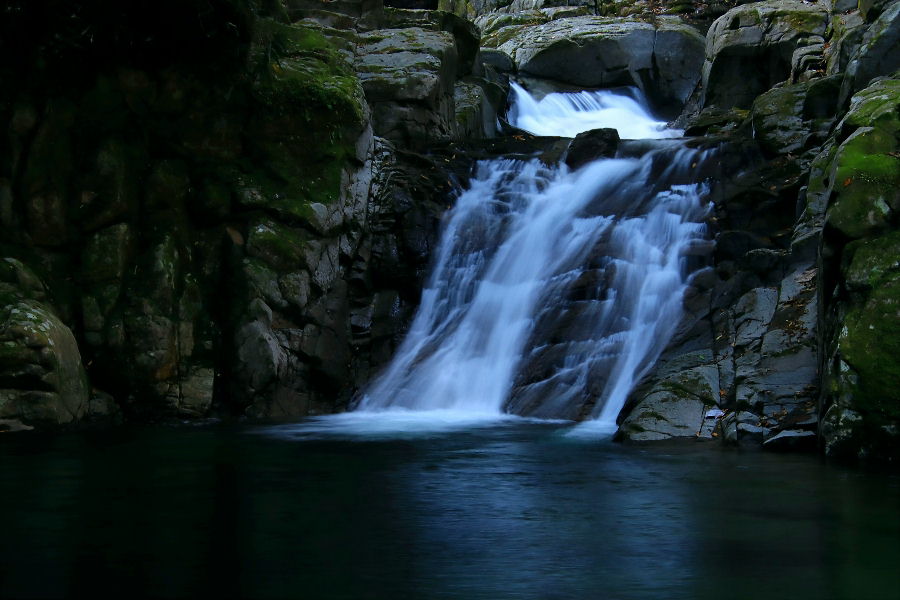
{"x": 476, "y": 116}
{"x": 13, "y": 425}
{"x": 673, "y": 407}
{"x": 713, "y": 120}
{"x": 591, "y": 145}
{"x": 790, "y": 118}
{"x": 499, "y": 60}
{"x": 42, "y": 380}
{"x": 103, "y": 409}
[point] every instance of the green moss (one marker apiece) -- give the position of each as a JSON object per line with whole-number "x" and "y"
{"x": 278, "y": 246}
{"x": 866, "y": 184}
{"x": 876, "y": 106}
{"x": 289, "y": 197}
{"x": 687, "y": 387}
{"x": 298, "y": 64}
{"x": 806, "y": 20}
{"x": 874, "y": 261}
{"x": 502, "y": 35}
{"x": 870, "y": 344}
{"x": 311, "y": 115}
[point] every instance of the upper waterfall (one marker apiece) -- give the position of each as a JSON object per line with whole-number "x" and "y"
{"x": 553, "y": 291}
{"x": 568, "y": 114}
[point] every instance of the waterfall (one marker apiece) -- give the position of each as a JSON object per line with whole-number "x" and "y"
{"x": 553, "y": 291}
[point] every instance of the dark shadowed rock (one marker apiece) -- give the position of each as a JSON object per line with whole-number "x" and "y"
{"x": 792, "y": 439}
{"x": 591, "y": 145}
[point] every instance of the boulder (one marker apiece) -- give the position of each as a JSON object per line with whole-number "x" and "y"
{"x": 674, "y": 407}
{"x": 860, "y": 319}
{"x": 791, "y": 439}
{"x": 791, "y": 118}
{"x": 866, "y": 184}
{"x": 750, "y": 48}
{"x": 412, "y": 64}
{"x": 591, "y": 145}
{"x": 42, "y": 380}
{"x": 474, "y": 103}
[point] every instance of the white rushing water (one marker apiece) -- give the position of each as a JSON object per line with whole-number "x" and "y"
{"x": 569, "y": 114}
{"x": 513, "y": 247}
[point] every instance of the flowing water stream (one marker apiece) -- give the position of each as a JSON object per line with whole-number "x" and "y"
{"x": 553, "y": 291}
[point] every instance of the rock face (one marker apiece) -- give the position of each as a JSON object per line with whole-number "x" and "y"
{"x": 800, "y": 306}
{"x": 43, "y": 381}
{"x": 861, "y": 407}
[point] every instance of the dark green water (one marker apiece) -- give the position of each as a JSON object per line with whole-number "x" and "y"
{"x": 511, "y": 511}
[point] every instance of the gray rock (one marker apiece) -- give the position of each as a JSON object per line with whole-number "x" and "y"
{"x": 749, "y": 48}
{"x": 878, "y": 54}
{"x": 753, "y": 313}
{"x": 475, "y": 116}
{"x": 498, "y": 59}
{"x": 13, "y": 425}
{"x": 674, "y": 407}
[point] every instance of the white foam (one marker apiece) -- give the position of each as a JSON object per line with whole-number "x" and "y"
{"x": 568, "y": 114}
{"x": 394, "y": 423}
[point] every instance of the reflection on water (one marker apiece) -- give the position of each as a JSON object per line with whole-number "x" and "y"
{"x": 514, "y": 510}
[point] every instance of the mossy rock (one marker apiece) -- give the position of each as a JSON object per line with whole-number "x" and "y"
{"x": 44, "y": 382}
{"x": 280, "y": 247}
{"x": 873, "y": 262}
{"x": 777, "y": 118}
{"x": 311, "y": 113}
{"x": 20, "y": 282}
{"x": 870, "y": 343}
{"x": 301, "y": 67}
{"x": 876, "y": 106}
{"x": 866, "y": 183}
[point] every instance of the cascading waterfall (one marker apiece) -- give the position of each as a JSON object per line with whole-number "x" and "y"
{"x": 553, "y": 291}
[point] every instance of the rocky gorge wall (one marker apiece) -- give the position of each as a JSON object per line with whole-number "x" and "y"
{"x": 237, "y": 221}
{"x": 197, "y": 216}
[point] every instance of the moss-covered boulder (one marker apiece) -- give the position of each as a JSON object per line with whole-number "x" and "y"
{"x": 42, "y": 380}
{"x": 866, "y": 190}
{"x": 861, "y": 404}
{"x": 792, "y": 118}
{"x": 674, "y": 407}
